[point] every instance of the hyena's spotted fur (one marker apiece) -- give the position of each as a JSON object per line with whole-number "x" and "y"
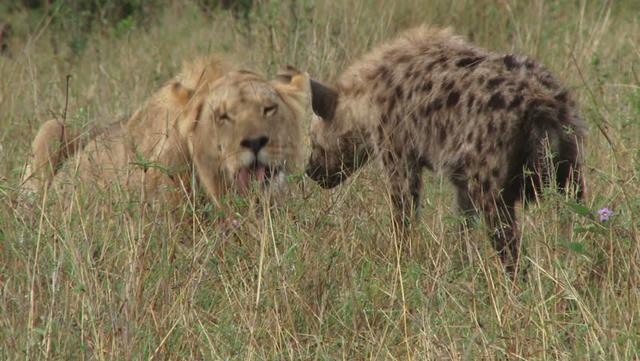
{"x": 430, "y": 100}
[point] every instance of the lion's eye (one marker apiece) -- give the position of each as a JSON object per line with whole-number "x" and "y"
{"x": 270, "y": 110}
{"x": 224, "y": 117}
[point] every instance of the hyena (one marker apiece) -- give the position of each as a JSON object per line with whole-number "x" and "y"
{"x": 499, "y": 126}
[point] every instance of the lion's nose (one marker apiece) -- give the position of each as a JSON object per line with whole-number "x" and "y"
{"x": 255, "y": 144}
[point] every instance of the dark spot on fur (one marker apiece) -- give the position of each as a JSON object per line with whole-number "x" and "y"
{"x": 426, "y": 87}
{"x": 480, "y": 79}
{"x": 442, "y": 135}
{"x": 409, "y": 74}
{"x": 425, "y": 163}
{"x": 429, "y": 67}
{"x": 496, "y": 101}
{"x": 467, "y": 52}
{"x": 405, "y": 58}
{"x": 440, "y": 61}
{"x": 469, "y": 62}
{"x": 493, "y": 83}
{"x": 467, "y": 163}
{"x": 534, "y": 104}
{"x": 563, "y": 96}
{"x": 549, "y": 82}
{"x": 357, "y": 91}
{"x": 453, "y": 99}
{"x": 399, "y": 92}
{"x": 523, "y": 85}
{"x": 541, "y": 112}
{"x": 436, "y": 105}
{"x": 502, "y": 126}
{"x": 382, "y": 73}
{"x": 425, "y": 111}
{"x": 479, "y": 144}
{"x": 469, "y": 137}
{"x": 529, "y": 64}
{"x": 486, "y": 185}
{"x": 562, "y": 112}
{"x": 510, "y": 62}
{"x": 495, "y": 172}
{"x": 391, "y": 104}
{"x": 500, "y": 142}
{"x": 470, "y": 101}
{"x": 517, "y": 100}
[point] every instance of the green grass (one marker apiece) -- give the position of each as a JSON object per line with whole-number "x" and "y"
{"x": 321, "y": 277}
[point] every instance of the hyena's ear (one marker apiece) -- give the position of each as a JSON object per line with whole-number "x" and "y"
{"x": 180, "y": 93}
{"x": 324, "y": 100}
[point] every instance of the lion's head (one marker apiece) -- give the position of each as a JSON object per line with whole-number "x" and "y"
{"x": 243, "y": 130}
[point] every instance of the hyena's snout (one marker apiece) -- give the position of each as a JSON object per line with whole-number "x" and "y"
{"x": 321, "y": 175}
{"x": 322, "y": 172}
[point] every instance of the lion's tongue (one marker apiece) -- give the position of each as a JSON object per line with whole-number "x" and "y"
{"x": 246, "y": 174}
{"x": 260, "y": 172}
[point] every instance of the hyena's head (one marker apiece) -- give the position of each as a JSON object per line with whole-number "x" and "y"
{"x": 339, "y": 145}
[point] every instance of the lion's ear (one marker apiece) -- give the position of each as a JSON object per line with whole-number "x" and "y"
{"x": 293, "y": 86}
{"x": 324, "y": 99}
{"x": 292, "y": 79}
{"x": 190, "y": 118}
{"x": 180, "y": 93}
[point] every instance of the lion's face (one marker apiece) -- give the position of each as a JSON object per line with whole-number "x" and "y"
{"x": 248, "y": 131}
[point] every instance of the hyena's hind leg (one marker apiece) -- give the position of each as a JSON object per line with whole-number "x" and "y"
{"x": 51, "y": 146}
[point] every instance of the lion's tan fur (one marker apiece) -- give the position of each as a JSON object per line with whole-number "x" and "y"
{"x": 158, "y": 148}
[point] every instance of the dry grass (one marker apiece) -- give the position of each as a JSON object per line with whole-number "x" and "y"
{"x": 101, "y": 276}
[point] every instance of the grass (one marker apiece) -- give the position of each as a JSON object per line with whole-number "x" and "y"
{"x": 101, "y": 276}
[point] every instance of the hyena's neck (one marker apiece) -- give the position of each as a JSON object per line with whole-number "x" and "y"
{"x": 358, "y": 111}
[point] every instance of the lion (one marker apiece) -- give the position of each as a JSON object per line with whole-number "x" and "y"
{"x": 232, "y": 128}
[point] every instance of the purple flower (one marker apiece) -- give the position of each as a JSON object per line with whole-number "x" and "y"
{"x": 604, "y": 214}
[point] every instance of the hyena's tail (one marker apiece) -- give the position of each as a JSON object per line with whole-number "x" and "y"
{"x": 52, "y": 145}
{"x": 557, "y": 136}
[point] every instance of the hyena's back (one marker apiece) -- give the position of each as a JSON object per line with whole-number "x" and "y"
{"x": 479, "y": 116}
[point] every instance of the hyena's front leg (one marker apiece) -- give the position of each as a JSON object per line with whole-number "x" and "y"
{"x": 405, "y": 186}
{"x": 464, "y": 204}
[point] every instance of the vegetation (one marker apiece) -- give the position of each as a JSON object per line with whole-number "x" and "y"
{"x": 96, "y": 275}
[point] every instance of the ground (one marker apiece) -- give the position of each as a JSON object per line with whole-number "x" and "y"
{"x": 318, "y": 277}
